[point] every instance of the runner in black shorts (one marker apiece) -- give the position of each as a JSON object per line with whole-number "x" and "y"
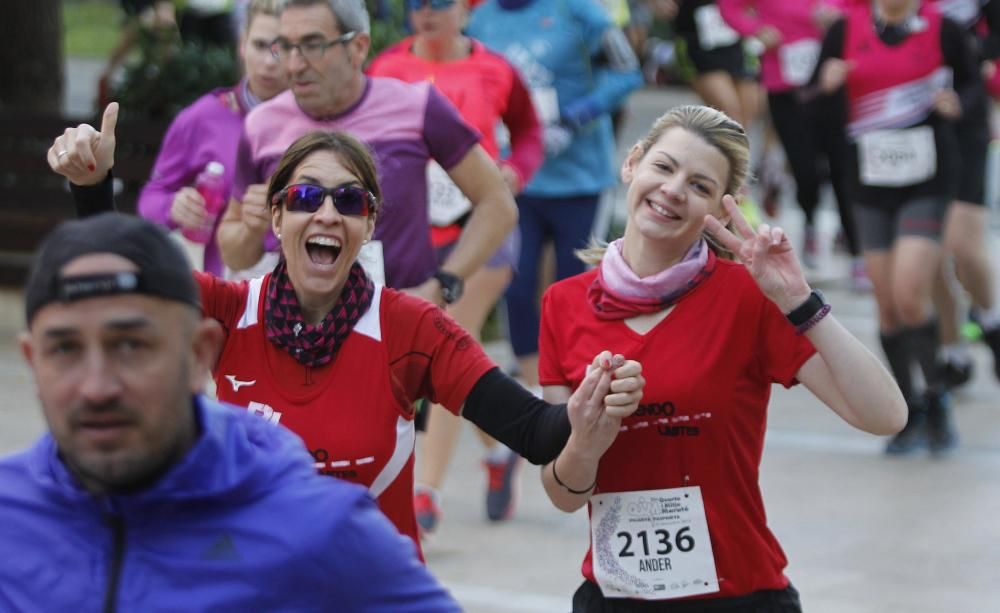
{"x": 903, "y": 157}
{"x": 966, "y": 219}
{"x": 722, "y": 77}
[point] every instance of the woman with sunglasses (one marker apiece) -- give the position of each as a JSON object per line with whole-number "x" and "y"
{"x": 317, "y": 347}
{"x": 169, "y": 197}
{"x": 487, "y": 91}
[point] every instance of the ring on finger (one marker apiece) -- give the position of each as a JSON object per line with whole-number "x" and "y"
{"x": 59, "y": 154}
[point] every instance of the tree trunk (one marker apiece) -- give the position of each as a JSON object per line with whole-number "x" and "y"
{"x": 31, "y": 55}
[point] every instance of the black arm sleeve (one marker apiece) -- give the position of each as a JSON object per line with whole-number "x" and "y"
{"x": 514, "y": 416}
{"x": 960, "y": 57}
{"x": 94, "y": 199}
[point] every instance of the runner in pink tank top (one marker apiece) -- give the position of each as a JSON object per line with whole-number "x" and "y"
{"x": 902, "y": 154}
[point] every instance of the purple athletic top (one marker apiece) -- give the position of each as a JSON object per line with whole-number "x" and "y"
{"x": 405, "y": 125}
{"x": 207, "y": 130}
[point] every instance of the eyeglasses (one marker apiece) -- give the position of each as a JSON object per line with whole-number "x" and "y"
{"x": 308, "y": 198}
{"x": 310, "y": 49}
{"x": 436, "y": 5}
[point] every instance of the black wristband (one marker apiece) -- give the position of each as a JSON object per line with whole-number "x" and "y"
{"x": 568, "y": 488}
{"x": 808, "y": 309}
{"x": 452, "y": 286}
{"x": 94, "y": 199}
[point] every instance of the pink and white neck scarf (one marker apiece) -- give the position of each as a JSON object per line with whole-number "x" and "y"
{"x": 618, "y": 293}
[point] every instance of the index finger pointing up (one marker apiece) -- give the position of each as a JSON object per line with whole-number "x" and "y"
{"x": 110, "y": 120}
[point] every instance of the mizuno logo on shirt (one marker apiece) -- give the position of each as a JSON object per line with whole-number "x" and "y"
{"x": 237, "y": 384}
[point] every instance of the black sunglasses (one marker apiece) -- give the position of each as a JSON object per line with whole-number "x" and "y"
{"x": 307, "y": 198}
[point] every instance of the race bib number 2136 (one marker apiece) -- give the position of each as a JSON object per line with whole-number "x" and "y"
{"x": 653, "y": 544}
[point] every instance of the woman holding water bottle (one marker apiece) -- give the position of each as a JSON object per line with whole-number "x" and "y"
{"x": 902, "y": 159}
{"x": 190, "y": 182}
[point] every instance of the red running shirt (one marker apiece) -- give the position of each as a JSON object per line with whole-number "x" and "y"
{"x": 354, "y": 415}
{"x": 485, "y": 89}
{"x": 709, "y": 366}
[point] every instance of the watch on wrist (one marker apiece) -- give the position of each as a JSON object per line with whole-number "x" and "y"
{"x": 452, "y": 286}
{"x": 805, "y": 311}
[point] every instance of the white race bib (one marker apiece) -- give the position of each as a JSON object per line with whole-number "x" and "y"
{"x": 798, "y": 60}
{"x": 371, "y": 259}
{"x": 546, "y": 102}
{"x": 897, "y": 158}
{"x": 965, "y": 12}
{"x": 652, "y": 545}
{"x": 445, "y": 201}
{"x": 713, "y": 31}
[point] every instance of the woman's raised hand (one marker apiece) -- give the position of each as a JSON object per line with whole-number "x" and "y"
{"x": 766, "y": 253}
{"x": 82, "y": 154}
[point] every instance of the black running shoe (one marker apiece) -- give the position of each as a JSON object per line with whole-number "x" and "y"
{"x": 912, "y": 437}
{"x": 955, "y": 374}
{"x": 992, "y": 340}
{"x": 941, "y": 435}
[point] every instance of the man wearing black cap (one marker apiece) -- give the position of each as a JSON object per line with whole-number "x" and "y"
{"x": 145, "y": 494}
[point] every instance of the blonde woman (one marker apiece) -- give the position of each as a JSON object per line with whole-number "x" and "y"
{"x": 713, "y": 334}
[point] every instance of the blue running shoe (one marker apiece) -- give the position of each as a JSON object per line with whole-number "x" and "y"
{"x": 501, "y": 489}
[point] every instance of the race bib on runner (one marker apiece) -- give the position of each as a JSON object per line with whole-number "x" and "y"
{"x": 652, "y": 545}
{"x": 371, "y": 259}
{"x": 713, "y": 31}
{"x": 965, "y": 12}
{"x": 546, "y": 102}
{"x": 445, "y": 201}
{"x": 897, "y": 158}
{"x": 798, "y": 60}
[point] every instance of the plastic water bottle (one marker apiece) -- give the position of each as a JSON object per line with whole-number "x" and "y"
{"x": 213, "y": 191}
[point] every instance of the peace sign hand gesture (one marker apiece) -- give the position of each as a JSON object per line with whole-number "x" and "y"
{"x": 766, "y": 253}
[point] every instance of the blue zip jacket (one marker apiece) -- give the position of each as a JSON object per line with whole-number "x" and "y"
{"x": 241, "y": 523}
{"x": 554, "y": 43}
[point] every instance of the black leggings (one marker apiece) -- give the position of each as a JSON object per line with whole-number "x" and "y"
{"x": 589, "y": 599}
{"x": 812, "y": 133}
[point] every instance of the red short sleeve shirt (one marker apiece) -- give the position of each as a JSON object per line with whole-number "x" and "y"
{"x": 709, "y": 366}
{"x": 354, "y": 415}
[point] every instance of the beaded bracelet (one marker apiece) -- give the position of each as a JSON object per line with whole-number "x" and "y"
{"x": 812, "y": 321}
{"x": 568, "y": 488}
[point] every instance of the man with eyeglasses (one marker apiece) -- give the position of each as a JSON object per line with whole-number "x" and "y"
{"x": 323, "y": 45}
